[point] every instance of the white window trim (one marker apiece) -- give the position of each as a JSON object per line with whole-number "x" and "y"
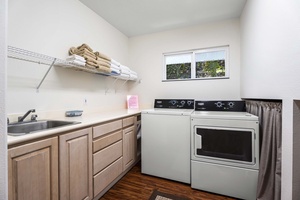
{"x": 193, "y": 67}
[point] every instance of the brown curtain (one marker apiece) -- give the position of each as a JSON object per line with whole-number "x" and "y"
{"x": 269, "y": 178}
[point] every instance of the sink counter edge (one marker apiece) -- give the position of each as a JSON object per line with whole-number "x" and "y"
{"x": 87, "y": 120}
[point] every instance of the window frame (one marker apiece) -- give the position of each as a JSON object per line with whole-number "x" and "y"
{"x": 193, "y": 63}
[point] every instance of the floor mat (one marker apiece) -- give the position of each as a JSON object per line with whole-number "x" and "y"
{"x": 156, "y": 195}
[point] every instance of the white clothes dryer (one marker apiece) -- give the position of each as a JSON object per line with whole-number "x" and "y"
{"x": 224, "y": 149}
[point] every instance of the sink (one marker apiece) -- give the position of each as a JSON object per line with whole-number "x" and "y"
{"x": 23, "y": 128}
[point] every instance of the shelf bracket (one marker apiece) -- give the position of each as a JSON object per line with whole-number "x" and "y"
{"x": 38, "y": 87}
{"x": 115, "y": 81}
{"x": 122, "y": 85}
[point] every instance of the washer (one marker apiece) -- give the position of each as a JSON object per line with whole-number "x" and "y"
{"x": 166, "y": 139}
{"x": 224, "y": 149}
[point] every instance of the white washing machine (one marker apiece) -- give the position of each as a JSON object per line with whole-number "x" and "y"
{"x": 166, "y": 139}
{"x": 224, "y": 149}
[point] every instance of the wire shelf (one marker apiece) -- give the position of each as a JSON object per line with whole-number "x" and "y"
{"x": 30, "y": 56}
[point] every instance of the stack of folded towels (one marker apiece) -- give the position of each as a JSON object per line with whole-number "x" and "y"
{"x": 125, "y": 72}
{"x": 115, "y": 67}
{"x": 92, "y": 60}
{"x": 84, "y": 56}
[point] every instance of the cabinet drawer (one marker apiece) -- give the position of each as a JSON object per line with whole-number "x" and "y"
{"x": 106, "y": 128}
{"x": 106, "y": 140}
{"x": 106, "y": 156}
{"x": 106, "y": 176}
{"x": 131, "y": 128}
{"x": 128, "y": 121}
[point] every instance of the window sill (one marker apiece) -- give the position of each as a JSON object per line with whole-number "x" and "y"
{"x": 196, "y": 79}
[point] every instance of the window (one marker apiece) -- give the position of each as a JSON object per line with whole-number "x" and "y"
{"x": 198, "y": 64}
{"x": 178, "y": 66}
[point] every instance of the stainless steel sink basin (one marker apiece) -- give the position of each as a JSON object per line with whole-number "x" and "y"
{"x": 34, "y": 126}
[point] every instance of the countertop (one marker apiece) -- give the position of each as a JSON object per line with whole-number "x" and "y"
{"x": 86, "y": 121}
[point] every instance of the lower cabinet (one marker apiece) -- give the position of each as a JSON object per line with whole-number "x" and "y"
{"x": 33, "y": 171}
{"x": 129, "y": 147}
{"x": 75, "y": 165}
{"x": 107, "y": 154}
{"x": 107, "y": 175}
{"x": 78, "y": 165}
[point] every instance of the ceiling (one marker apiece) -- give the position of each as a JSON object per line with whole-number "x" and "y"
{"x": 139, "y": 17}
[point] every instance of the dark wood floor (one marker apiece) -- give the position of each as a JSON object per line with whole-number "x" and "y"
{"x": 137, "y": 186}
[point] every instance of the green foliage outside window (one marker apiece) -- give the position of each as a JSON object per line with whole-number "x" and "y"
{"x": 215, "y": 68}
{"x": 179, "y": 71}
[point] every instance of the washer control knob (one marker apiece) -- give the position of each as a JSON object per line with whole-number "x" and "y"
{"x": 219, "y": 104}
{"x": 173, "y": 102}
{"x": 182, "y": 102}
{"x": 231, "y": 104}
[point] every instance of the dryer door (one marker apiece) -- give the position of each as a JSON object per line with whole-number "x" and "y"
{"x": 224, "y": 144}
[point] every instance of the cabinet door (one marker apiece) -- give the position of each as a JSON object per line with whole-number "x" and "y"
{"x": 33, "y": 171}
{"x": 75, "y": 164}
{"x": 129, "y": 147}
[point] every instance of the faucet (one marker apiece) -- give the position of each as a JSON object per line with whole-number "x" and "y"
{"x": 21, "y": 119}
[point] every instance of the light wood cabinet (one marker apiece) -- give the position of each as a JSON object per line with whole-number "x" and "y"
{"x": 107, "y": 175}
{"x": 106, "y": 128}
{"x": 108, "y": 152}
{"x": 129, "y": 147}
{"x": 82, "y": 164}
{"x": 75, "y": 165}
{"x": 33, "y": 171}
{"x": 129, "y": 141}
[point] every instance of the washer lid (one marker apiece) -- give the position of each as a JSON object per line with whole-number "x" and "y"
{"x": 223, "y": 115}
{"x": 168, "y": 111}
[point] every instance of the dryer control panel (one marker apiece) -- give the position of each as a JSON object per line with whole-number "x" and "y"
{"x": 174, "y": 103}
{"x": 233, "y": 106}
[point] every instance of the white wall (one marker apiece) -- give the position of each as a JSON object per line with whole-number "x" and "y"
{"x": 51, "y": 28}
{"x": 3, "y": 139}
{"x": 270, "y": 66}
{"x": 146, "y": 57}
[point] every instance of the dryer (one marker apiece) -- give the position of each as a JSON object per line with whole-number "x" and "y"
{"x": 224, "y": 149}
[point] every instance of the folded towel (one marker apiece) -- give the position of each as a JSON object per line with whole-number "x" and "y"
{"x": 114, "y": 65}
{"x": 91, "y": 64}
{"x": 75, "y": 57}
{"x": 85, "y": 46}
{"x": 88, "y": 58}
{"x": 125, "y": 72}
{"x": 114, "y": 73}
{"x": 117, "y": 71}
{"x": 133, "y": 77}
{"x": 124, "y": 76}
{"x": 76, "y": 62}
{"x": 72, "y": 50}
{"x": 114, "y": 62}
{"x": 90, "y": 67}
{"x": 81, "y": 52}
{"x": 86, "y": 52}
{"x": 97, "y": 62}
{"x": 98, "y": 54}
{"x": 125, "y": 69}
{"x": 115, "y": 68}
{"x": 103, "y": 69}
{"x": 103, "y": 60}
